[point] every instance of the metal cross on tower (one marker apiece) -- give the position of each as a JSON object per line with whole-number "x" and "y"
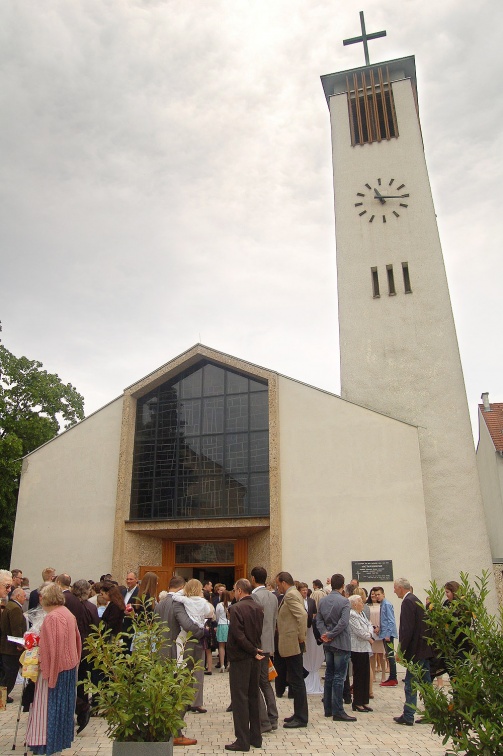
{"x": 364, "y": 38}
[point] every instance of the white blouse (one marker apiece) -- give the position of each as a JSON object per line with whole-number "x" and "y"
{"x": 221, "y": 617}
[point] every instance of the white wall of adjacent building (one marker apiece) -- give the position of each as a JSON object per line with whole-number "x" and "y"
{"x": 490, "y": 467}
{"x": 66, "y": 507}
{"x": 351, "y": 489}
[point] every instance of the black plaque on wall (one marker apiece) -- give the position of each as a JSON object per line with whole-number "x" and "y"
{"x": 380, "y": 571}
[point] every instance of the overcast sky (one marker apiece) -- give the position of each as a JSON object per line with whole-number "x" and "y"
{"x": 167, "y": 179}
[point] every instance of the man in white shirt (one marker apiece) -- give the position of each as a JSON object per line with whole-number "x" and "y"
{"x": 131, "y": 587}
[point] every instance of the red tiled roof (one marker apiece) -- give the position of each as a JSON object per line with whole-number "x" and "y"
{"x": 494, "y": 422}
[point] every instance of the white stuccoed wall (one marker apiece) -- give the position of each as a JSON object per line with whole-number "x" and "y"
{"x": 66, "y": 507}
{"x": 490, "y": 467}
{"x": 351, "y": 489}
{"x": 399, "y": 354}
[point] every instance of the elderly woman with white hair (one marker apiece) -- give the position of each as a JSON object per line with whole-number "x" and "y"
{"x": 50, "y": 723}
{"x": 362, "y": 638}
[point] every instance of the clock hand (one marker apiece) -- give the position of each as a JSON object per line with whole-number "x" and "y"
{"x": 393, "y": 196}
{"x": 379, "y": 196}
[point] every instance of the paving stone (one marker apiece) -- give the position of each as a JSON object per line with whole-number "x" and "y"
{"x": 374, "y": 734}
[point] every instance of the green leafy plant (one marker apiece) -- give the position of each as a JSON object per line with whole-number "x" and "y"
{"x": 469, "y": 712}
{"x": 144, "y": 694}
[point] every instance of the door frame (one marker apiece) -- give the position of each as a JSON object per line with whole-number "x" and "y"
{"x": 169, "y": 565}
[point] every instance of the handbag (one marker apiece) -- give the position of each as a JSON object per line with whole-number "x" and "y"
{"x": 272, "y": 671}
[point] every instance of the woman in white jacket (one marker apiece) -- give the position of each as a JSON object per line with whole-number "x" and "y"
{"x": 361, "y": 646}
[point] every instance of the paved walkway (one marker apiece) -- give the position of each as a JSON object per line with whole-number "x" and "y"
{"x": 373, "y": 734}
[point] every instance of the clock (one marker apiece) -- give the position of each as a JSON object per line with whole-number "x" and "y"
{"x": 381, "y": 200}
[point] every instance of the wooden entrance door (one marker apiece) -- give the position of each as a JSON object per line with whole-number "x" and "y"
{"x": 170, "y": 564}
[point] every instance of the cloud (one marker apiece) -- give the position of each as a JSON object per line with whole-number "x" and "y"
{"x": 168, "y": 179}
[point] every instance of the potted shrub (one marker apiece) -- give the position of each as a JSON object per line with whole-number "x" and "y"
{"x": 142, "y": 695}
{"x": 469, "y": 640}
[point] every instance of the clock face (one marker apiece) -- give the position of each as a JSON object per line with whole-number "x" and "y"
{"x": 382, "y": 200}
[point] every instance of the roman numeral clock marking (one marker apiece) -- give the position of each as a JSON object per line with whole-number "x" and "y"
{"x": 381, "y": 198}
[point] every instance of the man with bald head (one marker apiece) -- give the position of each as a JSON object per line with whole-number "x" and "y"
{"x": 12, "y": 623}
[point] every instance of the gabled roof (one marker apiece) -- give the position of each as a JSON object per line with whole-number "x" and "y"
{"x": 494, "y": 420}
{"x": 191, "y": 357}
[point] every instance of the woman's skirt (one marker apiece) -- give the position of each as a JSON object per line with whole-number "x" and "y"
{"x": 222, "y": 633}
{"x": 51, "y": 724}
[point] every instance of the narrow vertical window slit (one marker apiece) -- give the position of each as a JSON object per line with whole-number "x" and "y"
{"x": 375, "y": 283}
{"x": 406, "y": 278}
{"x": 391, "y": 280}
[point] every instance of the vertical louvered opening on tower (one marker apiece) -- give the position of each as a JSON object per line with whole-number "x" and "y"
{"x": 372, "y": 115}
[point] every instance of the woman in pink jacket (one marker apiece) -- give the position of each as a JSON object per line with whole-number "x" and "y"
{"x": 51, "y": 723}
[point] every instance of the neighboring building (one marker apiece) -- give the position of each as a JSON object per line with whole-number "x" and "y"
{"x": 211, "y": 464}
{"x": 490, "y": 467}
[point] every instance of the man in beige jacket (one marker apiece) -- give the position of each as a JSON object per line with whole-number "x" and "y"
{"x": 292, "y": 630}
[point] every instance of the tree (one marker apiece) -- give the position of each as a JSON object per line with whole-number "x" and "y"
{"x": 33, "y": 404}
{"x": 468, "y": 639}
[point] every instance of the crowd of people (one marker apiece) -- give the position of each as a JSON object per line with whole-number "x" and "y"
{"x": 273, "y": 636}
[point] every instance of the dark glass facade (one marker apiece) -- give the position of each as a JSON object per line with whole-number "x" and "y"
{"x": 202, "y": 447}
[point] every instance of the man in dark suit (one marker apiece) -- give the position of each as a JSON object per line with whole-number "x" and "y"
{"x": 129, "y": 593}
{"x": 413, "y": 646}
{"x": 86, "y": 615}
{"x": 245, "y": 655}
{"x": 48, "y": 575}
{"x": 12, "y": 623}
{"x": 17, "y": 580}
{"x": 130, "y": 590}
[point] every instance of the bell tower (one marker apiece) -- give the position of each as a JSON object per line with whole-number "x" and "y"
{"x": 398, "y": 347}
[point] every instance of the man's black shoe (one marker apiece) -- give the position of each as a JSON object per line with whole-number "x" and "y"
{"x": 83, "y": 720}
{"x": 10, "y": 700}
{"x": 343, "y": 718}
{"x": 347, "y": 701}
{"x": 294, "y": 723}
{"x": 402, "y": 721}
{"x": 289, "y": 719}
{"x": 235, "y": 747}
{"x": 229, "y": 708}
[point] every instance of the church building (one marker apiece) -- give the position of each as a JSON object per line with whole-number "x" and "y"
{"x": 211, "y": 465}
